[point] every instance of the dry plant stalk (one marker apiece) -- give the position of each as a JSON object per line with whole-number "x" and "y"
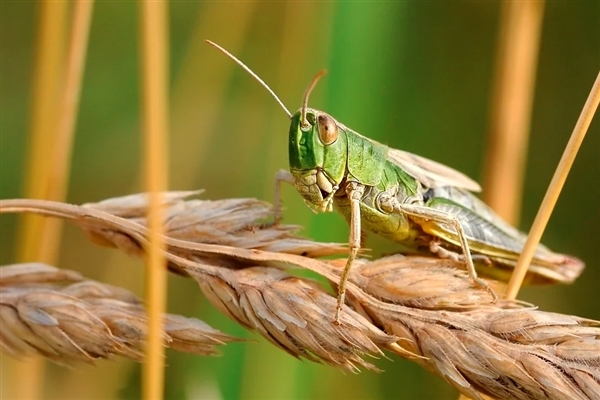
{"x": 57, "y": 88}
{"x": 421, "y": 308}
{"x": 62, "y": 316}
{"x": 554, "y": 188}
{"x": 505, "y": 158}
{"x": 155, "y": 121}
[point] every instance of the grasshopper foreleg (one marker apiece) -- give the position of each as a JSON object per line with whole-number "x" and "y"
{"x": 281, "y": 176}
{"x": 427, "y": 213}
{"x": 355, "y": 192}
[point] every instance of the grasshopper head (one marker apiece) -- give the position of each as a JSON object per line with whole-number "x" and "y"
{"x": 318, "y": 151}
{"x": 318, "y": 146}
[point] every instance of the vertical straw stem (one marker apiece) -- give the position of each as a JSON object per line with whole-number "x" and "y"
{"x": 25, "y": 379}
{"x": 56, "y": 185}
{"x": 48, "y": 66}
{"x": 52, "y": 128}
{"x": 558, "y": 180}
{"x": 516, "y": 61}
{"x": 155, "y": 126}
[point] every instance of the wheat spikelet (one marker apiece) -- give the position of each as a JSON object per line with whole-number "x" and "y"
{"x": 295, "y": 315}
{"x": 241, "y": 223}
{"x": 423, "y": 309}
{"x": 84, "y": 320}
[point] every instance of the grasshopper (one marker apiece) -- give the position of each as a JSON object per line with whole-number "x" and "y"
{"x": 424, "y": 205}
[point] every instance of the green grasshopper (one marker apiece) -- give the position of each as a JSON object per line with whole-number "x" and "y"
{"x": 426, "y": 206}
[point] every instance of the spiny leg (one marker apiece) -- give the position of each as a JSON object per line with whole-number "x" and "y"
{"x": 354, "y": 191}
{"x": 439, "y": 216}
{"x": 281, "y": 176}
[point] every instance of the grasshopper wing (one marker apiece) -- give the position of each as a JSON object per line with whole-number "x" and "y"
{"x": 431, "y": 174}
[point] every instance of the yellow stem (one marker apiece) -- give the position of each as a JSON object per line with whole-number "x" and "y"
{"x": 519, "y": 38}
{"x": 155, "y": 125}
{"x": 53, "y": 121}
{"x": 558, "y": 180}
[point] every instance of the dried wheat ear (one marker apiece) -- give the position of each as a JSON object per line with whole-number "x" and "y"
{"x": 423, "y": 309}
{"x": 62, "y": 316}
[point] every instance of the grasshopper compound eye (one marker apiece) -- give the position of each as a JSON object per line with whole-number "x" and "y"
{"x": 328, "y": 129}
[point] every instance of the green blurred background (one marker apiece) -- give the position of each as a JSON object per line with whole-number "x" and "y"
{"x": 414, "y": 75}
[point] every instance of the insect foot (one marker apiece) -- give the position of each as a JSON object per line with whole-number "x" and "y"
{"x": 484, "y": 285}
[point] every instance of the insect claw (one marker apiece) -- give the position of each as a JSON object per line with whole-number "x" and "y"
{"x": 484, "y": 285}
{"x": 336, "y": 319}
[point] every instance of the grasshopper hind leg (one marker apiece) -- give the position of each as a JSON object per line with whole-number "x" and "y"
{"x": 423, "y": 213}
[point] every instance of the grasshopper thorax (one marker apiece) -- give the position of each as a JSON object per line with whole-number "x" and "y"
{"x": 318, "y": 151}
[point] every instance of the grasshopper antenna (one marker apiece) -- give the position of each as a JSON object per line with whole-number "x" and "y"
{"x": 248, "y": 70}
{"x": 303, "y": 122}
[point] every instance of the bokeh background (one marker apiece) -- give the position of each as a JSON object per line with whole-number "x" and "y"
{"x": 417, "y": 76}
